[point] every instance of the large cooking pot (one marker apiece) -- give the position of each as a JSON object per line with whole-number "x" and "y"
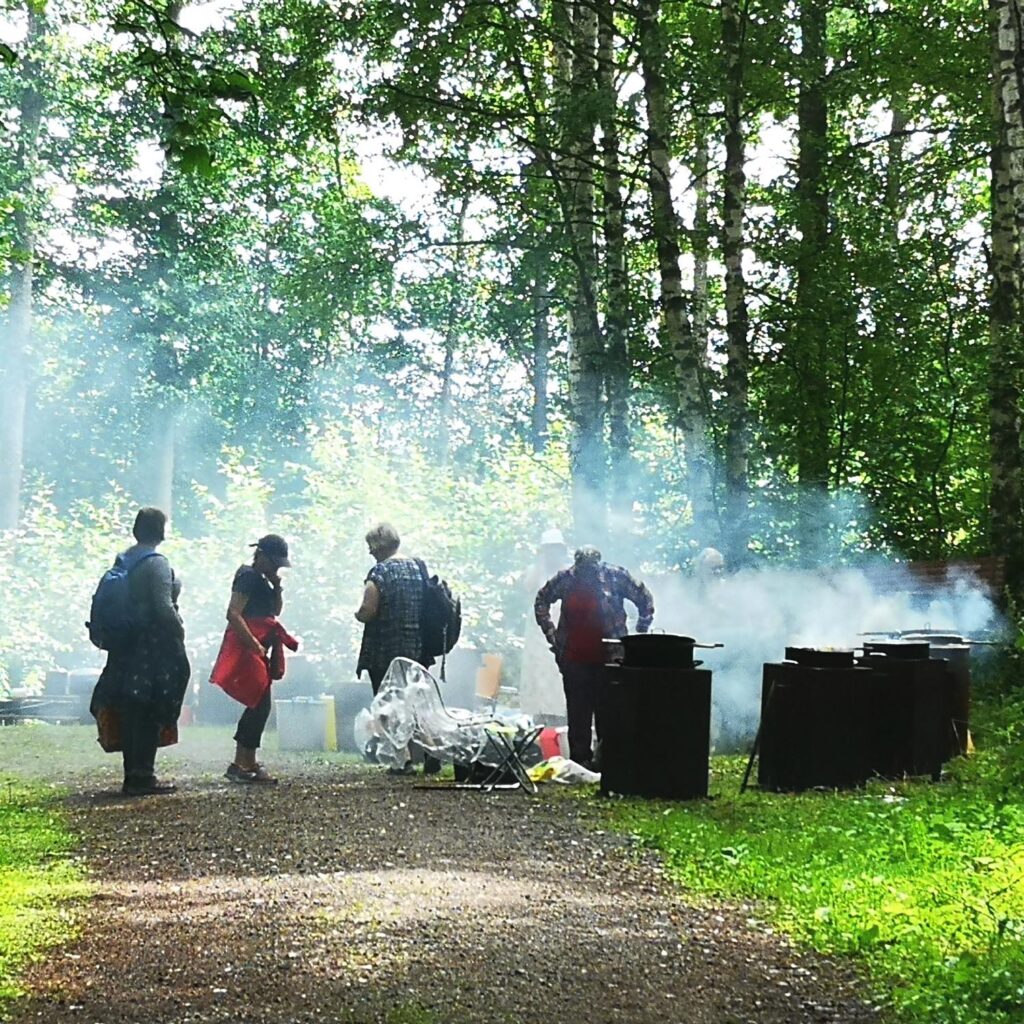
{"x": 659, "y": 650}
{"x": 817, "y": 657}
{"x": 931, "y": 636}
{"x": 901, "y": 650}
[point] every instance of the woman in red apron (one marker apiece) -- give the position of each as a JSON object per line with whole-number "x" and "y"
{"x": 252, "y": 652}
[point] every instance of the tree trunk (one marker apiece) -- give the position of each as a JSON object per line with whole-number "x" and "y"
{"x": 617, "y": 318}
{"x": 14, "y": 374}
{"x": 158, "y": 458}
{"x": 540, "y": 301}
{"x": 451, "y": 332}
{"x": 676, "y": 329}
{"x": 812, "y": 327}
{"x": 737, "y": 367}
{"x": 701, "y": 237}
{"x": 1006, "y": 307}
{"x": 894, "y": 205}
{"x": 586, "y": 343}
{"x": 157, "y": 487}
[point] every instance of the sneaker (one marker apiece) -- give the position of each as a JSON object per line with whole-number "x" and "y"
{"x": 406, "y": 769}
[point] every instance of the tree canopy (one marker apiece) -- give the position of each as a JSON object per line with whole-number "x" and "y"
{"x": 745, "y": 274}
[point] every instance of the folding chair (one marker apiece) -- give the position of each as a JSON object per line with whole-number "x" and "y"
{"x": 409, "y": 708}
{"x": 509, "y": 744}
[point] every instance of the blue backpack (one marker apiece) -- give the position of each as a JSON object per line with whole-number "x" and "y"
{"x": 113, "y": 615}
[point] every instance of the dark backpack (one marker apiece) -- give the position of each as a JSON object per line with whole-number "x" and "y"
{"x": 440, "y": 617}
{"x": 113, "y": 615}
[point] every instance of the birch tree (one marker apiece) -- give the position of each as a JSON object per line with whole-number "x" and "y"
{"x": 1006, "y": 307}
{"x": 586, "y": 351}
{"x": 676, "y": 327}
{"x": 617, "y": 317}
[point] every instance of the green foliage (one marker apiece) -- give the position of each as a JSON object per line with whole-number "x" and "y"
{"x": 923, "y": 883}
{"x": 477, "y": 528}
{"x": 214, "y": 252}
{"x": 37, "y": 880}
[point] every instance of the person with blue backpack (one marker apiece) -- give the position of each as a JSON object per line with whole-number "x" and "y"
{"x": 134, "y": 618}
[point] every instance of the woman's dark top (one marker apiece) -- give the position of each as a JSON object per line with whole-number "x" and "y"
{"x": 262, "y": 599}
{"x": 395, "y": 630}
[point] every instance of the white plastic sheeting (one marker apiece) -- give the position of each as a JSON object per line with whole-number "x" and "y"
{"x": 408, "y": 709}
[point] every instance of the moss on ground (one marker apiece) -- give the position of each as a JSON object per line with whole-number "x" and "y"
{"x": 39, "y": 880}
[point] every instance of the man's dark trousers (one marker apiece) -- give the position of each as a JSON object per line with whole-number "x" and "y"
{"x": 584, "y": 695}
{"x": 140, "y": 732}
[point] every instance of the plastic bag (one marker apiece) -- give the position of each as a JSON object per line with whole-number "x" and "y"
{"x": 362, "y": 730}
{"x": 560, "y": 769}
{"x": 408, "y": 707}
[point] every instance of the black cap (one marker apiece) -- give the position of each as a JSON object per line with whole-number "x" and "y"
{"x": 274, "y": 546}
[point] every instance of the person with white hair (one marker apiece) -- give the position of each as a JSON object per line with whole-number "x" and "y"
{"x": 540, "y": 682}
{"x": 591, "y": 593}
{"x": 391, "y": 612}
{"x": 708, "y": 566}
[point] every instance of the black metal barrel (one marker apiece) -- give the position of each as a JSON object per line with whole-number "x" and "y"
{"x": 813, "y": 723}
{"x": 655, "y": 730}
{"x": 908, "y": 693}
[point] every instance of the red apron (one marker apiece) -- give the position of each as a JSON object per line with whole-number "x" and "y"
{"x": 245, "y": 675}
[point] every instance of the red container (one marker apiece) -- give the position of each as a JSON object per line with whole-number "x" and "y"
{"x": 548, "y": 743}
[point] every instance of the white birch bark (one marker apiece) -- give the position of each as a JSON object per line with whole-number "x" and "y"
{"x": 617, "y": 317}
{"x": 1005, "y": 306}
{"x": 676, "y": 328}
{"x": 586, "y": 342}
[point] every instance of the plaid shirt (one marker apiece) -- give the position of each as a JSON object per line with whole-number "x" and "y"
{"x": 395, "y": 630}
{"x": 614, "y": 584}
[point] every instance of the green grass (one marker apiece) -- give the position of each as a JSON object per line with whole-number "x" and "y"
{"x": 38, "y": 880}
{"x": 922, "y": 884}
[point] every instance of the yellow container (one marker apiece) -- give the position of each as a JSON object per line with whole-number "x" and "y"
{"x": 330, "y": 723}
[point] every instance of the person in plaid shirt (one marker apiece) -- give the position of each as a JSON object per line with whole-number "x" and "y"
{"x": 391, "y": 612}
{"x": 592, "y": 594}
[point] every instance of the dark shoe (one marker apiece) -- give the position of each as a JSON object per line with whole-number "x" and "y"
{"x": 262, "y": 777}
{"x": 406, "y": 769}
{"x": 431, "y": 765}
{"x": 258, "y": 775}
{"x": 152, "y": 788}
{"x": 236, "y": 774}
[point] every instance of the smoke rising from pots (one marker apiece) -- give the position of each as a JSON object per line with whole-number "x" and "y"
{"x": 758, "y": 613}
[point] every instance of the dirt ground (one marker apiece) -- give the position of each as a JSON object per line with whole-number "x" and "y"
{"x": 346, "y": 895}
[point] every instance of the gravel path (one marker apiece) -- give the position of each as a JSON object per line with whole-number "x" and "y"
{"x": 346, "y": 895}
